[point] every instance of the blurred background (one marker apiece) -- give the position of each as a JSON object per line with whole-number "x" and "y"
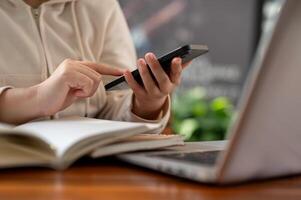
{"x": 205, "y": 104}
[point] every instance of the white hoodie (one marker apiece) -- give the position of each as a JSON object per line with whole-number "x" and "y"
{"x": 32, "y": 47}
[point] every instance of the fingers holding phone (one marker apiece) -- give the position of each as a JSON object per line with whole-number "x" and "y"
{"x": 187, "y": 53}
{"x": 156, "y": 78}
{"x": 157, "y": 85}
{"x": 162, "y": 79}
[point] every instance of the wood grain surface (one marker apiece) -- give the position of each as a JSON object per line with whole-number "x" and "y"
{"x": 113, "y": 179}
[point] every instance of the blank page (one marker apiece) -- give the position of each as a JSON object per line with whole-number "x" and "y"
{"x": 61, "y": 134}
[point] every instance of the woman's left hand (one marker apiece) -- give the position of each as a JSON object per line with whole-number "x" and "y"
{"x": 150, "y": 98}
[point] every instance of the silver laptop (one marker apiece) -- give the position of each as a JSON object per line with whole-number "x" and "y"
{"x": 265, "y": 141}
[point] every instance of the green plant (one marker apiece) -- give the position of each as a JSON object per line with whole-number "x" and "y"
{"x": 198, "y": 118}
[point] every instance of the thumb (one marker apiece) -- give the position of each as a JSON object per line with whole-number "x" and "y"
{"x": 103, "y": 68}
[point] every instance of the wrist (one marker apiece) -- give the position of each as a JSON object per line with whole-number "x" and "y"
{"x": 33, "y": 95}
{"x": 148, "y": 109}
{"x": 41, "y": 109}
{"x": 19, "y": 105}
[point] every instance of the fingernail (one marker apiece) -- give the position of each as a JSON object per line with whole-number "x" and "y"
{"x": 151, "y": 55}
{"x": 141, "y": 61}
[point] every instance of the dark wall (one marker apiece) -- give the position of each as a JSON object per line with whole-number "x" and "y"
{"x": 230, "y": 29}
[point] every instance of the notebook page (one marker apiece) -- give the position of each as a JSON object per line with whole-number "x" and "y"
{"x": 61, "y": 134}
{"x": 5, "y": 127}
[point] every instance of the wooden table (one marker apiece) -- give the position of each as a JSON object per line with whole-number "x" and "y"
{"x": 113, "y": 179}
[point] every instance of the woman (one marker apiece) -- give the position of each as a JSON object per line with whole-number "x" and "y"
{"x": 56, "y": 56}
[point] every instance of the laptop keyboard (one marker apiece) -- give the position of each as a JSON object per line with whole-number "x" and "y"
{"x": 205, "y": 158}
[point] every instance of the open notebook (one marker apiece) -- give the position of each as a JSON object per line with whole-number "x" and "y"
{"x": 138, "y": 143}
{"x": 58, "y": 143}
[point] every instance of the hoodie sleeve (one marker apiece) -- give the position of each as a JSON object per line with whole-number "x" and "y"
{"x": 119, "y": 51}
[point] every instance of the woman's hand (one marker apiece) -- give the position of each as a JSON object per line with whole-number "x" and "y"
{"x": 149, "y": 100}
{"x": 72, "y": 80}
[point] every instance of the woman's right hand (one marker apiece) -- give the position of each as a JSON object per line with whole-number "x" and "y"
{"x": 72, "y": 80}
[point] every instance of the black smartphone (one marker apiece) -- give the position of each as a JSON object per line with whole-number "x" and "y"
{"x": 186, "y": 53}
